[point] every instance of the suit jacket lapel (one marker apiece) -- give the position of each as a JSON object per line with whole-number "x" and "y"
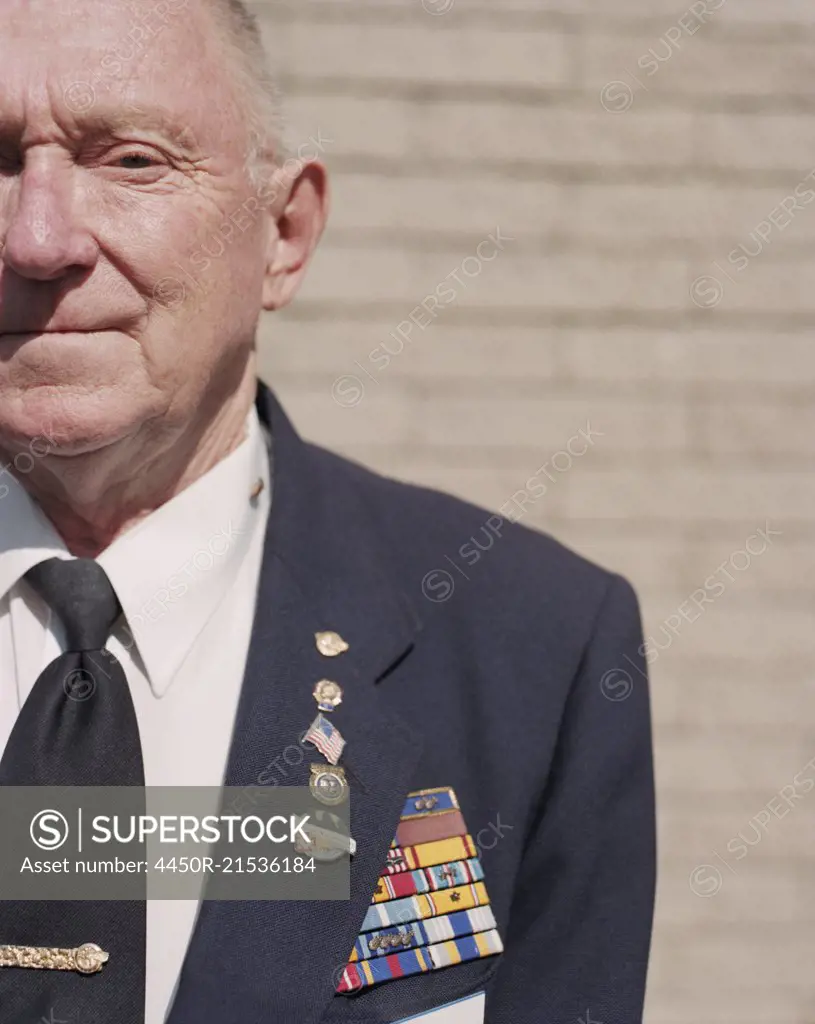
{"x": 321, "y": 570}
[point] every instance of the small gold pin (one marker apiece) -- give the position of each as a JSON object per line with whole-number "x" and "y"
{"x": 86, "y": 959}
{"x": 330, "y": 644}
{"x": 328, "y": 694}
{"x": 257, "y": 490}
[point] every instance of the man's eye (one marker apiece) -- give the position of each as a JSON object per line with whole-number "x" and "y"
{"x": 137, "y": 161}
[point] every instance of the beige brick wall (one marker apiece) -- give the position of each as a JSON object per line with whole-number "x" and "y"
{"x": 450, "y": 120}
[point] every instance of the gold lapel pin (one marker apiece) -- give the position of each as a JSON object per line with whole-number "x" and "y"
{"x": 86, "y": 959}
{"x": 257, "y": 489}
{"x": 328, "y": 694}
{"x": 330, "y": 644}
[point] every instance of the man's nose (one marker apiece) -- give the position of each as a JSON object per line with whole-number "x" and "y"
{"x": 45, "y": 237}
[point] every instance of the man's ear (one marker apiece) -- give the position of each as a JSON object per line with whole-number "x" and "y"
{"x": 297, "y": 225}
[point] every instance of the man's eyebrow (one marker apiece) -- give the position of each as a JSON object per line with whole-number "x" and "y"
{"x": 119, "y": 120}
{"x": 106, "y": 122}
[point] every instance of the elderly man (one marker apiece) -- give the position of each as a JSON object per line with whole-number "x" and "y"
{"x": 158, "y": 507}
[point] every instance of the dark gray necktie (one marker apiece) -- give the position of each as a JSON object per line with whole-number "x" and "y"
{"x": 77, "y": 728}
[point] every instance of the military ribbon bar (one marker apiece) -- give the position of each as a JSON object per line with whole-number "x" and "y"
{"x": 429, "y": 801}
{"x": 423, "y": 933}
{"x": 416, "y": 908}
{"x": 442, "y": 876}
{"x": 417, "y": 961}
{"x": 442, "y": 851}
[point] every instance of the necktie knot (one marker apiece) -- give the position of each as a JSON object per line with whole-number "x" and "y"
{"x": 80, "y": 593}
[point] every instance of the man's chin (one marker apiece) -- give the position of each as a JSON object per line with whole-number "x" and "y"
{"x": 49, "y": 423}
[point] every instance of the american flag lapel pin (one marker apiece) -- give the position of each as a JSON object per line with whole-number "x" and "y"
{"x": 326, "y": 737}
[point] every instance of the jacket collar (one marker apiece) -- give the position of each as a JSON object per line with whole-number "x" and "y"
{"x": 329, "y": 542}
{"x": 323, "y": 568}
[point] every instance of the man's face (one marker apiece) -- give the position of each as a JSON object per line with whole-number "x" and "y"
{"x": 126, "y": 300}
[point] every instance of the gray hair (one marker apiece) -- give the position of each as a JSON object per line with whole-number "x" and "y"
{"x": 257, "y": 87}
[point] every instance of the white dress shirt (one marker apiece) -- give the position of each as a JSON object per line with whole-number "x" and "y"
{"x": 186, "y": 577}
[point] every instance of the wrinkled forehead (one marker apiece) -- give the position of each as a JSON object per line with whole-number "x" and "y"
{"x": 74, "y": 60}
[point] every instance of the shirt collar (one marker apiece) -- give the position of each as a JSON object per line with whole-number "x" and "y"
{"x": 26, "y": 534}
{"x": 172, "y": 570}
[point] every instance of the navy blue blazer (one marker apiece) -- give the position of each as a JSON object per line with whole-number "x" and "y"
{"x": 522, "y": 688}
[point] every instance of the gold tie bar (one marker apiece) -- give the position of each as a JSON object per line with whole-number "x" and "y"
{"x": 86, "y": 959}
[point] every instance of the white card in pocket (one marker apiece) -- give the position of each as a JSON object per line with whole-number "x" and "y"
{"x": 469, "y": 1010}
